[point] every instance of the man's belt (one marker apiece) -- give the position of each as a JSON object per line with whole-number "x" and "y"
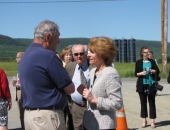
{"x": 45, "y": 108}
{"x": 80, "y": 105}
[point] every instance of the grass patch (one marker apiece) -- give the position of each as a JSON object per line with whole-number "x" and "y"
{"x": 10, "y": 68}
{"x": 125, "y": 70}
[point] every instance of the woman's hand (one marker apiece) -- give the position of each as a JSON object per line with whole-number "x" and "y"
{"x": 152, "y": 71}
{"x": 143, "y": 73}
{"x": 9, "y": 104}
{"x": 88, "y": 95}
{"x": 148, "y": 69}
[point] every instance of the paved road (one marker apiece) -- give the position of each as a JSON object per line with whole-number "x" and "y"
{"x": 131, "y": 106}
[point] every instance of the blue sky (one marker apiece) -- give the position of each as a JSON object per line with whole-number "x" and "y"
{"x": 140, "y": 19}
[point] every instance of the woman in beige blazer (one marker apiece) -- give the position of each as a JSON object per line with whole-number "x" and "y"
{"x": 104, "y": 95}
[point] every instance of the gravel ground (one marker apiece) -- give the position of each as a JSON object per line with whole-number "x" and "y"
{"x": 131, "y": 106}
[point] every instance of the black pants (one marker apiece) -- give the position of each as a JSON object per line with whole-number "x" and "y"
{"x": 68, "y": 119}
{"x": 150, "y": 94}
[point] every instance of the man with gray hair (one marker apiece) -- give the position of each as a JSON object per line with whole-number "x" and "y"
{"x": 45, "y": 83}
{"x": 77, "y": 105}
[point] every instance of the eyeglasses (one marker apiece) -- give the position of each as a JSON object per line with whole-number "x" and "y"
{"x": 81, "y": 53}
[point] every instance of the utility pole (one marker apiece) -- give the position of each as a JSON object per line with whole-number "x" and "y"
{"x": 164, "y": 21}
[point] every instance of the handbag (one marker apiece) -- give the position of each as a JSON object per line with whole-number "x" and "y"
{"x": 158, "y": 87}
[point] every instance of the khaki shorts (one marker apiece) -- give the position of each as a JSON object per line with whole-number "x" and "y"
{"x": 44, "y": 120}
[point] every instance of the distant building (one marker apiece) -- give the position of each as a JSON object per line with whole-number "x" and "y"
{"x": 126, "y": 50}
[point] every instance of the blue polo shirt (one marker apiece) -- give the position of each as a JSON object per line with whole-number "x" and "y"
{"x": 42, "y": 78}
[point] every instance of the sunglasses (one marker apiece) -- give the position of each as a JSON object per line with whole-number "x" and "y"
{"x": 81, "y": 53}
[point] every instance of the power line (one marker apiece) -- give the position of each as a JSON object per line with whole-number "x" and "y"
{"x": 60, "y": 1}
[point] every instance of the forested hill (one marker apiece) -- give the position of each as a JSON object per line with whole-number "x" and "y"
{"x": 10, "y": 46}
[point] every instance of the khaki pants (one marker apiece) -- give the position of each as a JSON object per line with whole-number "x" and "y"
{"x": 77, "y": 115}
{"x": 44, "y": 120}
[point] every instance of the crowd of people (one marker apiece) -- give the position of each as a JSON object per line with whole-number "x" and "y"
{"x": 77, "y": 89}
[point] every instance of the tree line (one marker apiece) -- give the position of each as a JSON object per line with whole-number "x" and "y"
{"x": 10, "y": 46}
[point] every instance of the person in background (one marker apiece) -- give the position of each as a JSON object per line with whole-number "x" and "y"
{"x": 5, "y": 100}
{"x": 104, "y": 95}
{"x": 77, "y": 105}
{"x": 145, "y": 70}
{"x": 16, "y": 83}
{"x": 66, "y": 55}
{"x": 45, "y": 83}
{"x": 150, "y": 55}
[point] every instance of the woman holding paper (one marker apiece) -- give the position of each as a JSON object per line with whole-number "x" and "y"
{"x": 145, "y": 70}
{"x": 104, "y": 95}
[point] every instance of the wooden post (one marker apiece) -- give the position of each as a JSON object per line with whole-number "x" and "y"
{"x": 164, "y": 22}
{"x": 166, "y": 36}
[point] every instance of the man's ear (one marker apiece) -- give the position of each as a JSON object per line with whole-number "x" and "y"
{"x": 47, "y": 37}
{"x": 46, "y": 41}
